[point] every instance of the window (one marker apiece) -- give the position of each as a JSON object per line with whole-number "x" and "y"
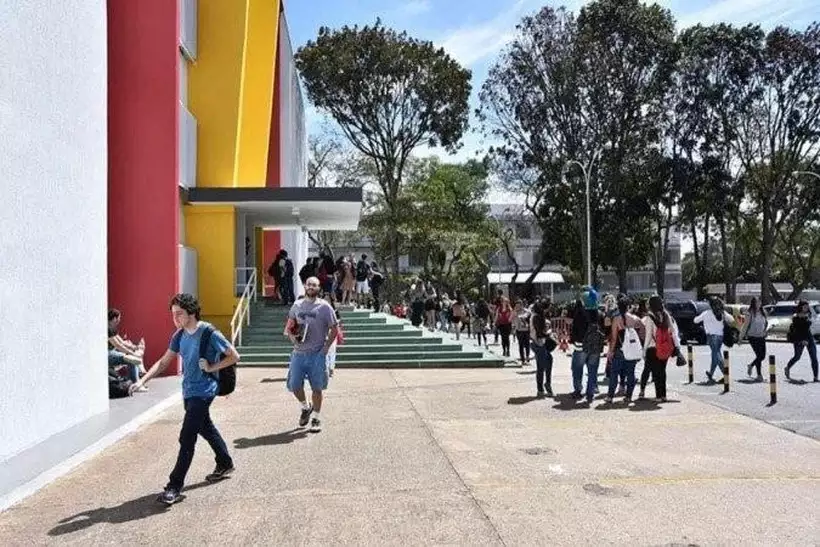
{"x": 523, "y": 231}
{"x": 672, "y": 281}
{"x": 673, "y": 256}
{"x": 415, "y": 259}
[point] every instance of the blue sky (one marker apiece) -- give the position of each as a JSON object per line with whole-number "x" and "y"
{"x": 475, "y": 32}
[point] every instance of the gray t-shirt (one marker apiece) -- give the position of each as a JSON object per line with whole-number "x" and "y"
{"x": 317, "y": 317}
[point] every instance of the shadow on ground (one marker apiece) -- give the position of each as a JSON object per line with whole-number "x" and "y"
{"x": 136, "y": 509}
{"x": 285, "y": 437}
{"x": 272, "y": 380}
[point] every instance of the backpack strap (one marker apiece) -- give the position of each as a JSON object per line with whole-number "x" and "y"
{"x": 204, "y": 341}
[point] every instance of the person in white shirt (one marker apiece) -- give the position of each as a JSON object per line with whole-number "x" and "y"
{"x": 714, "y": 320}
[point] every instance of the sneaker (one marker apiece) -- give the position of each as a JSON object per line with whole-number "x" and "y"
{"x": 304, "y": 417}
{"x": 709, "y": 377}
{"x": 219, "y": 473}
{"x": 315, "y": 425}
{"x": 539, "y": 395}
{"x": 169, "y": 496}
{"x": 549, "y": 392}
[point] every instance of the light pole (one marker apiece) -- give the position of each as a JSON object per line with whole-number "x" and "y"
{"x": 809, "y": 173}
{"x": 586, "y": 170}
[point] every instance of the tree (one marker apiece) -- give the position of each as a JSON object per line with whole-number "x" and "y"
{"x": 779, "y": 131}
{"x": 446, "y": 222}
{"x": 389, "y": 93}
{"x": 333, "y": 164}
{"x": 562, "y": 90}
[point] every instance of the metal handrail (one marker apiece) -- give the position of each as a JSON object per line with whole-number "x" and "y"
{"x": 242, "y": 314}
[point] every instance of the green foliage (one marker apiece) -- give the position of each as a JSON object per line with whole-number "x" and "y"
{"x": 389, "y": 93}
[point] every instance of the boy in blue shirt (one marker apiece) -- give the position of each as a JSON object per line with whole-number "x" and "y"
{"x": 199, "y": 388}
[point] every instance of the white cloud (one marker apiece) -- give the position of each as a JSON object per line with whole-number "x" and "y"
{"x": 764, "y": 12}
{"x": 472, "y": 43}
{"x": 412, "y": 8}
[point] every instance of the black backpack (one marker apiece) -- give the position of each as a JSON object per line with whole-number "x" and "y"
{"x": 226, "y": 378}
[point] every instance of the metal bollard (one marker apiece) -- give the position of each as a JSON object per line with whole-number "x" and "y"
{"x": 725, "y": 371}
{"x": 772, "y": 381}
{"x": 690, "y": 357}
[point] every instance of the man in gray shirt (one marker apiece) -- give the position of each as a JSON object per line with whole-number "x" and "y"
{"x": 312, "y": 327}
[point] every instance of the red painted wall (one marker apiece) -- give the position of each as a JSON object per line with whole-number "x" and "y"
{"x": 273, "y": 238}
{"x": 143, "y": 195}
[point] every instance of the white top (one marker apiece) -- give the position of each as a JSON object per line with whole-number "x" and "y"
{"x": 711, "y": 324}
{"x": 649, "y": 336}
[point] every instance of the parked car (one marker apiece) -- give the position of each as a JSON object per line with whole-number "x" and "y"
{"x": 684, "y": 313}
{"x": 780, "y": 317}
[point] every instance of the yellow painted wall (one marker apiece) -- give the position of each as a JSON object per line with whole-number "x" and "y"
{"x": 211, "y": 231}
{"x": 257, "y": 93}
{"x": 214, "y": 88}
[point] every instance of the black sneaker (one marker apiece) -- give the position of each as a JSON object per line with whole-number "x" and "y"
{"x": 169, "y": 496}
{"x": 315, "y": 425}
{"x": 304, "y": 417}
{"x": 219, "y": 473}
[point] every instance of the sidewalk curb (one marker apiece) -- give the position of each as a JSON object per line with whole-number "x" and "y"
{"x": 43, "y": 479}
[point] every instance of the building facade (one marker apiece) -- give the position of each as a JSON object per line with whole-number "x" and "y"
{"x": 161, "y": 149}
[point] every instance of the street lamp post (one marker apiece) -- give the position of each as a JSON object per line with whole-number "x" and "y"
{"x": 586, "y": 170}
{"x": 809, "y": 173}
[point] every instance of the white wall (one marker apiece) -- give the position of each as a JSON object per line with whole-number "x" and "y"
{"x": 294, "y": 145}
{"x": 53, "y": 178}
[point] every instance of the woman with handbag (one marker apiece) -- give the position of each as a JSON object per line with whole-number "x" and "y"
{"x": 543, "y": 344}
{"x": 755, "y": 329}
{"x": 801, "y": 337}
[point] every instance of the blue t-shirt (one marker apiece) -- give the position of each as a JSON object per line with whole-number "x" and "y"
{"x": 196, "y": 382}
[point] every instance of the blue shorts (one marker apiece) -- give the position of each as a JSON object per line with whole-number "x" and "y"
{"x": 307, "y": 365}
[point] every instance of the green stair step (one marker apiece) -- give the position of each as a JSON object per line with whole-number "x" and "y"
{"x": 398, "y": 363}
{"x": 274, "y": 358}
{"x": 345, "y": 349}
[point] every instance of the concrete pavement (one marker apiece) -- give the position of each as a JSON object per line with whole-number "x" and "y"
{"x": 460, "y": 457}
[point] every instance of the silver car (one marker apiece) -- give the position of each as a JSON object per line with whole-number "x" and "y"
{"x": 780, "y": 317}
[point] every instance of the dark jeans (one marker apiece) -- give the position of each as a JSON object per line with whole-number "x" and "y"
{"x": 811, "y": 346}
{"x": 658, "y": 369}
{"x": 621, "y": 368}
{"x": 197, "y": 421}
{"x": 523, "y": 344}
{"x": 376, "y": 300}
{"x": 543, "y": 372}
{"x": 505, "y": 331}
{"x": 286, "y": 291}
{"x": 759, "y": 347}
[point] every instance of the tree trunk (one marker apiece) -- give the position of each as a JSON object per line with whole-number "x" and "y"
{"x": 623, "y": 286}
{"x": 768, "y": 257}
{"x": 727, "y": 269}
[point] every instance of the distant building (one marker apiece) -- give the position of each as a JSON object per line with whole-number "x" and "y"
{"x": 526, "y": 253}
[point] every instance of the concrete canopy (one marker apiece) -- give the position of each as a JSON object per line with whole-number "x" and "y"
{"x": 540, "y": 277}
{"x": 288, "y": 207}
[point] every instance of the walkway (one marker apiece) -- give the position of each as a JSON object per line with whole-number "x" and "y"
{"x": 461, "y": 457}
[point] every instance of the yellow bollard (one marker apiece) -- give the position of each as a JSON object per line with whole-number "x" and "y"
{"x": 725, "y": 371}
{"x": 772, "y": 381}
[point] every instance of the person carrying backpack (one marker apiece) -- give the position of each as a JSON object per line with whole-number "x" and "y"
{"x": 625, "y": 350}
{"x": 662, "y": 342}
{"x": 362, "y": 286}
{"x": 203, "y": 367}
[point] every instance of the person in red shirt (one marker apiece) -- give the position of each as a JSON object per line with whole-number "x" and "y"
{"x": 503, "y": 321}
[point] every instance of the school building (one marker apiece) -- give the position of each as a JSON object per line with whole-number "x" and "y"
{"x": 148, "y": 147}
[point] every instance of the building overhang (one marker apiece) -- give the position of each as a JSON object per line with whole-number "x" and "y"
{"x": 286, "y": 208}
{"x": 495, "y": 278}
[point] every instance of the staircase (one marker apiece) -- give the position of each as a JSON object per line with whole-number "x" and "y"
{"x": 372, "y": 340}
